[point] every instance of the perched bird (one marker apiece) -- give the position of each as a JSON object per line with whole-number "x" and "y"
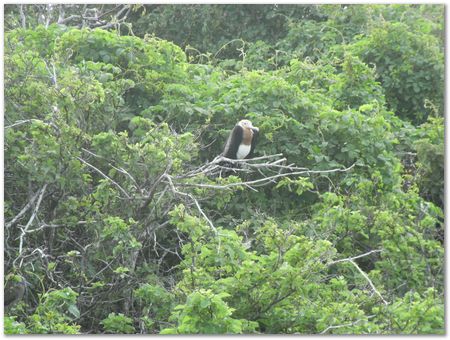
{"x": 15, "y": 287}
{"x": 242, "y": 140}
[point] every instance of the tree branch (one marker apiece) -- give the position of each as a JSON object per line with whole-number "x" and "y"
{"x": 35, "y": 211}
{"x": 23, "y": 211}
{"x": 369, "y": 281}
{"x": 210, "y": 167}
{"x": 20, "y": 122}
{"x": 105, "y": 176}
{"x": 23, "y": 19}
{"x": 152, "y": 190}
{"x": 346, "y": 325}
{"x": 356, "y": 257}
{"x": 174, "y": 190}
{"x": 351, "y": 260}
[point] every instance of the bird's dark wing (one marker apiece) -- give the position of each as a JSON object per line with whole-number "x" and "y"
{"x": 233, "y": 142}
{"x": 254, "y": 141}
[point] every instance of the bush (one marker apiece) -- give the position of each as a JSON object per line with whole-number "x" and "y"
{"x": 121, "y": 225}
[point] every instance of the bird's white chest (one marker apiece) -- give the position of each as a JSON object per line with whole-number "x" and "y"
{"x": 243, "y": 151}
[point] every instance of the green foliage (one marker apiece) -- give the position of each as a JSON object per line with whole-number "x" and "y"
{"x": 415, "y": 314}
{"x": 11, "y": 326}
{"x": 55, "y": 314}
{"x": 118, "y": 324}
{"x": 410, "y": 79}
{"x": 156, "y": 303}
{"x": 114, "y": 221}
{"x": 356, "y": 85}
{"x": 198, "y": 25}
{"x": 429, "y": 145}
{"x": 207, "y": 313}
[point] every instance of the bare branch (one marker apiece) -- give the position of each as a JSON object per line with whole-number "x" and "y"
{"x": 105, "y": 176}
{"x": 209, "y": 167}
{"x": 52, "y": 73}
{"x": 116, "y": 19}
{"x": 369, "y": 281}
{"x": 346, "y": 325}
{"x": 215, "y": 166}
{"x": 49, "y": 9}
{"x": 35, "y": 211}
{"x": 121, "y": 170}
{"x": 152, "y": 190}
{"x": 356, "y": 257}
{"x": 45, "y": 225}
{"x": 22, "y": 17}
{"x": 351, "y": 260}
{"x": 266, "y": 180}
{"x": 61, "y": 14}
{"x": 63, "y": 21}
{"x": 174, "y": 190}
{"x": 125, "y": 7}
{"x": 23, "y": 211}
{"x": 20, "y": 122}
{"x": 108, "y": 12}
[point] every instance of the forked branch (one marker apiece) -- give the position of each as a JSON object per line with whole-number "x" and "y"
{"x": 274, "y": 163}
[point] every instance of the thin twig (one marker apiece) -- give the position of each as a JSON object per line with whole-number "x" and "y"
{"x": 121, "y": 170}
{"x": 45, "y": 225}
{"x": 266, "y": 179}
{"x": 105, "y": 176}
{"x": 22, "y": 17}
{"x": 356, "y": 257}
{"x": 174, "y": 190}
{"x": 368, "y": 280}
{"x": 346, "y": 325}
{"x": 351, "y": 260}
{"x": 35, "y": 211}
{"x": 152, "y": 190}
{"x": 20, "y": 122}
{"x": 23, "y": 211}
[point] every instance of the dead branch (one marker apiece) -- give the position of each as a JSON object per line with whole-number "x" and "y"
{"x": 105, "y": 176}
{"x": 79, "y": 16}
{"x": 121, "y": 170}
{"x": 346, "y": 325}
{"x": 23, "y": 19}
{"x": 275, "y": 163}
{"x": 30, "y": 221}
{"x": 20, "y": 122}
{"x": 45, "y": 225}
{"x": 356, "y": 257}
{"x": 23, "y": 211}
{"x": 253, "y": 163}
{"x": 175, "y": 191}
{"x": 117, "y": 20}
{"x": 210, "y": 169}
{"x": 52, "y": 73}
{"x": 369, "y": 281}
{"x": 351, "y": 260}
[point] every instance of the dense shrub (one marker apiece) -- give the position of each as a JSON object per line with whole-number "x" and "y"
{"x": 115, "y": 222}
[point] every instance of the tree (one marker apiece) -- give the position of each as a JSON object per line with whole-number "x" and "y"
{"x": 116, "y": 212}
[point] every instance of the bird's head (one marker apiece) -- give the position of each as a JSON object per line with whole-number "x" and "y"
{"x": 245, "y": 123}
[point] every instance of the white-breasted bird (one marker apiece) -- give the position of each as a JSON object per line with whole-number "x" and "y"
{"x": 242, "y": 140}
